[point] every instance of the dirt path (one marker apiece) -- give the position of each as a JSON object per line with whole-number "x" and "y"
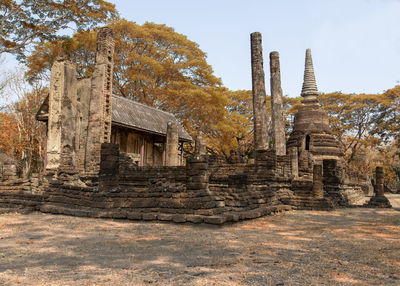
{"x": 344, "y": 247}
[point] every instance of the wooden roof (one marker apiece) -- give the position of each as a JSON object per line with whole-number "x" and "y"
{"x": 134, "y": 115}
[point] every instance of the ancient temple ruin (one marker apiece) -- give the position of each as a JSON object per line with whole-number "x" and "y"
{"x": 97, "y": 163}
{"x": 81, "y": 114}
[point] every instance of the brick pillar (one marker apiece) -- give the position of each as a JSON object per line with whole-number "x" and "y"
{"x": 294, "y": 161}
{"x": 318, "y": 186}
{"x": 200, "y": 147}
{"x": 99, "y": 125}
{"x": 259, "y": 96}
{"x": 62, "y": 116}
{"x": 379, "y": 185}
{"x": 197, "y": 173}
{"x": 379, "y": 200}
{"x": 109, "y": 166}
{"x": 278, "y": 125}
{"x": 171, "y": 152}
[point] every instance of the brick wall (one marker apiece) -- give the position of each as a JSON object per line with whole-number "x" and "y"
{"x": 198, "y": 192}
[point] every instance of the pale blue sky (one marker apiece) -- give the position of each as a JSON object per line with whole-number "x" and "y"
{"x": 355, "y": 43}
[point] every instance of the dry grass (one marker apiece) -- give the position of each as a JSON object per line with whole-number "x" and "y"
{"x": 344, "y": 247}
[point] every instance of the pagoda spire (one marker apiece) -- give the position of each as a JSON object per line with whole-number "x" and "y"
{"x": 309, "y": 90}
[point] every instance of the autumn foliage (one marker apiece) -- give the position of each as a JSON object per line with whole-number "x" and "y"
{"x": 22, "y": 137}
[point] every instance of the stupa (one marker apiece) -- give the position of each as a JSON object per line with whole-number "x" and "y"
{"x": 311, "y": 132}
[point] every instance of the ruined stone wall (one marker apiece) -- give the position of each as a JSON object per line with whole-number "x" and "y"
{"x": 341, "y": 185}
{"x": 20, "y": 195}
{"x": 242, "y": 189}
{"x": 198, "y": 192}
{"x": 8, "y": 172}
{"x": 302, "y": 196}
{"x": 191, "y": 193}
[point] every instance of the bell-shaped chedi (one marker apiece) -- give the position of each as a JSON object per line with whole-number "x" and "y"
{"x": 311, "y": 132}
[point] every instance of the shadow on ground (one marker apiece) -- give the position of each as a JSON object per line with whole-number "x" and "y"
{"x": 343, "y": 247}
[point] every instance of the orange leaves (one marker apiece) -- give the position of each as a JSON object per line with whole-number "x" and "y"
{"x": 21, "y": 136}
{"x": 363, "y": 123}
{"x": 8, "y": 133}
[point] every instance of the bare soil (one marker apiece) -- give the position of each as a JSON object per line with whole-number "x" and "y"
{"x": 354, "y": 246}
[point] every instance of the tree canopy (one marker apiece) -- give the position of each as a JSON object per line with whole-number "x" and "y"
{"x": 25, "y": 22}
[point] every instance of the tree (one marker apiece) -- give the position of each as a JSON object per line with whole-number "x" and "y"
{"x": 388, "y": 118}
{"x": 353, "y": 120}
{"x": 24, "y": 22}
{"x": 31, "y": 140}
{"x": 22, "y": 137}
{"x": 8, "y": 134}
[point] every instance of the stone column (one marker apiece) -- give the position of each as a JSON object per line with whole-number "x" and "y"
{"x": 278, "y": 125}
{"x": 200, "y": 146}
{"x": 259, "y": 96}
{"x": 172, "y": 145}
{"x": 197, "y": 173}
{"x": 379, "y": 184}
{"x": 379, "y": 200}
{"x": 99, "y": 126}
{"x": 294, "y": 161}
{"x": 83, "y": 98}
{"x": 62, "y": 115}
{"x": 68, "y": 118}
{"x": 54, "y": 123}
{"x": 318, "y": 186}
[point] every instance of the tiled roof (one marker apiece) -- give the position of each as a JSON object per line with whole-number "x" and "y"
{"x": 141, "y": 117}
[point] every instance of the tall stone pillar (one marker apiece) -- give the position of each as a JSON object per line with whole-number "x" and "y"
{"x": 379, "y": 186}
{"x": 200, "y": 146}
{"x": 294, "y": 161}
{"x": 99, "y": 125}
{"x": 68, "y": 118}
{"x": 172, "y": 145}
{"x": 379, "y": 200}
{"x": 259, "y": 96}
{"x": 83, "y": 98}
{"x": 62, "y": 116}
{"x": 278, "y": 125}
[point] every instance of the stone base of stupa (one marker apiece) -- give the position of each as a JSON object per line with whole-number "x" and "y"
{"x": 378, "y": 202}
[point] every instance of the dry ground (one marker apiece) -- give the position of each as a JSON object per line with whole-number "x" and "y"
{"x": 354, "y": 246}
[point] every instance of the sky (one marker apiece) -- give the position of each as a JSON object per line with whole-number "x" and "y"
{"x": 355, "y": 43}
